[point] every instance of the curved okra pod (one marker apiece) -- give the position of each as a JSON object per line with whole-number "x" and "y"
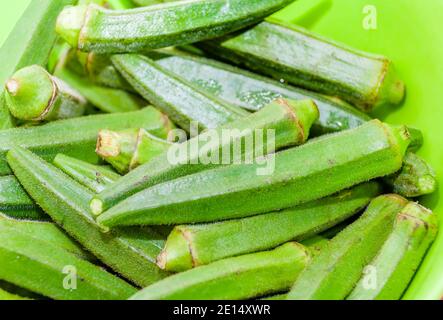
{"x": 289, "y": 121}
{"x": 92, "y": 28}
{"x": 193, "y": 245}
{"x": 128, "y": 149}
{"x": 327, "y": 165}
{"x": 242, "y": 277}
{"x": 388, "y": 275}
{"x": 130, "y": 252}
{"x": 333, "y": 273}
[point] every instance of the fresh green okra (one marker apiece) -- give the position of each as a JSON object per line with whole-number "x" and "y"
{"x": 128, "y": 149}
{"x": 32, "y": 94}
{"x": 129, "y": 252}
{"x": 193, "y": 245}
{"x": 94, "y": 177}
{"x": 181, "y": 101}
{"x": 388, "y": 275}
{"x": 416, "y": 177}
{"x": 78, "y": 137}
{"x": 14, "y": 200}
{"x": 333, "y": 273}
{"x": 5, "y": 296}
{"x": 287, "y": 121}
{"x": 92, "y": 28}
{"x": 294, "y": 54}
{"x": 243, "y": 277}
{"x": 317, "y": 169}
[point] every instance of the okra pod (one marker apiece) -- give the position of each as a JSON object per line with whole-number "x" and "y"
{"x": 32, "y": 94}
{"x": 333, "y": 273}
{"x": 326, "y": 165}
{"x": 291, "y": 53}
{"x": 94, "y": 177}
{"x": 193, "y": 245}
{"x": 13, "y": 198}
{"x": 243, "y": 277}
{"x": 129, "y": 252}
{"x": 128, "y": 149}
{"x": 388, "y": 275}
{"x": 289, "y": 120}
{"x": 7, "y": 296}
{"x": 92, "y": 28}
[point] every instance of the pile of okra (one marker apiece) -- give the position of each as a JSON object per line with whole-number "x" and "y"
{"x": 202, "y": 149}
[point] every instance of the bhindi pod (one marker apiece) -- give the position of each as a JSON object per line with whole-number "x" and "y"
{"x": 391, "y": 271}
{"x": 32, "y": 94}
{"x": 333, "y": 273}
{"x": 193, "y": 245}
{"x": 94, "y": 177}
{"x": 129, "y": 252}
{"x": 14, "y": 201}
{"x": 326, "y": 165}
{"x": 128, "y": 149}
{"x": 288, "y": 52}
{"x": 78, "y": 137}
{"x": 91, "y": 28}
{"x": 290, "y": 122}
{"x": 243, "y": 277}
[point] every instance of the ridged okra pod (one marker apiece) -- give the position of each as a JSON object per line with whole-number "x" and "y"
{"x": 78, "y": 137}
{"x": 317, "y": 169}
{"x": 94, "y": 177}
{"x": 290, "y": 121}
{"x": 333, "y": 273}
{"x": 128, "y": 149}
{"x": 129, "y": 252}
{"x": 242, "y": 277}
{"x": 92, "y": 28}
{"x": 189, "y": 246}
{"x": 388, "y": 275}
{"x": 33, "y": 94}
{"x": 288, "y": 52}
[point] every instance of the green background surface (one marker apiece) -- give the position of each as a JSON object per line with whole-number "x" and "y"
{"x": 407, "y": 31}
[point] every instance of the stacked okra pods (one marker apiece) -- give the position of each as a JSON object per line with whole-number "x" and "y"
{"x": 114, "y": 146}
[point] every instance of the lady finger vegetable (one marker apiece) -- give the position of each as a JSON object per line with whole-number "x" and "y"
{"x": 317, "y": 169}
{"x": 333, "y": 273}
{"x": 243, "y": 277}
{"x": 193, "y": 245}
{"x": 14, "y": 201}
{"x": 91, "y": 28}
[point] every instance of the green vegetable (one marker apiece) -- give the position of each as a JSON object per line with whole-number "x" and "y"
{"x": 129, "y": 252}
{"x": 13, "y": 198}
{"x": 94, "y": 177}
{"x": 91, "y": 28}
{"x": 394, "y": 266}
{"x": 78, "y": 137}
{"x": 193, "y": 245}
{"x": 293, "y": 54}
{"x": 281, "y": 296}
{"x": 5, "y": 296}
{"x": 333, "y": 273}
{"x": 317, "y": 169}
{"x": 277, "y": 116}
{"x": 243, "y": 277}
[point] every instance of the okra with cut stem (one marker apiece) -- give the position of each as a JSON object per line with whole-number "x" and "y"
{"x": 193, "y": 245}
{"x": 91, "y": 28}
{"x": 129, "y": 252}
{"x": 333, "y": 273}
{"x": 296, "y": 55}
{"x": 128, "y": 149}
{"x": 317, "y": 169}
{"x": 288, "y": 122}
{"x": 243, "y": 277}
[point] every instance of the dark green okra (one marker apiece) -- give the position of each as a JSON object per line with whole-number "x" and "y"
{"x": 291, "y": 53}
{"x": 130, "y": 252}
{"x": 333, "y": 273}
{"x": 317, "y": 169}
{"x": 78, "y": 137}
{"x": 14, "y": 201}
{"x": 289, "y": 120}
{"x": 388, "y": 275}
{"x": 243, "y": 277}
{"x": 193, "y": 245}
{"x": 91, "y": 28}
